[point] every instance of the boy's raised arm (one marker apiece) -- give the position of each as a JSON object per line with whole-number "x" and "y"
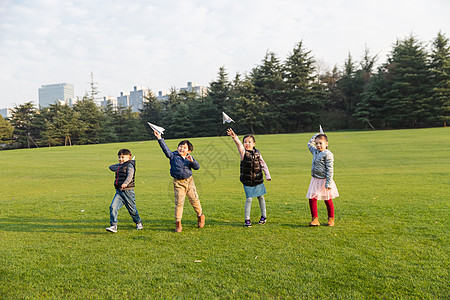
{"x": 165, "y": 148}
{"x": 163, "y": 145}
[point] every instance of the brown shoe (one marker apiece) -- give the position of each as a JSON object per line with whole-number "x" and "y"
{"x": 201, "y": 221}
{"x": 178, "y": 227}
{"x": 314, "y": 222}
{"x": 330, "y": 222}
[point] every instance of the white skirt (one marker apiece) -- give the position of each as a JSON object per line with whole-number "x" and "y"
{"x": 318, "y": 191}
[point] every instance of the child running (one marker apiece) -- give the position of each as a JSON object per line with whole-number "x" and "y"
{"x": 124, "y": 184}
{"x": 252, "y": 167}
{"x": 181, "y": 163}
{"x": 322, "y": 186}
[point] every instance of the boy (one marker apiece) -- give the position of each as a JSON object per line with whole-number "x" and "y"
{"x": 124, "y": 184}
{"x": 181, "y": 163}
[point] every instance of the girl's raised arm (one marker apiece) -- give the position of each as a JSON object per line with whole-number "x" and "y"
{"x": 238, "y": 143}
{"x": 311, "y": 144}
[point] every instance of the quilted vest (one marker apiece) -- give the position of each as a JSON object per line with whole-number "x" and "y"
{"x": 251, "y": 172}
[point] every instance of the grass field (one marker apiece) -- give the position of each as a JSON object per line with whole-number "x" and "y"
{"x": 391, "y": 239}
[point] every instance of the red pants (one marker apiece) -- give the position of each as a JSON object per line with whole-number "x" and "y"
{"x": 313, "y": 208}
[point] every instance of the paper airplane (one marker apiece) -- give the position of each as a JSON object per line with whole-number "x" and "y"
{"x": 133, "y": 158}
{"x": 226, "y": 118}
{"x": 156, "y": 128}
{"x": 321, "y": 130}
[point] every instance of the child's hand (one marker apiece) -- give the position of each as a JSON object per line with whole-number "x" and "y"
{"x": 156, "y": 133}
{"x": 189, "y": 158}
{"x": 268, "y": 179}
{"x": 123, "y": 185}
{"x": 231, "y": 133}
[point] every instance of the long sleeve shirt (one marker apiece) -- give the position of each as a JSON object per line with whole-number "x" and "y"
{"x": 130, "y": 172}
{"x": 180, "y": 167}
{"x": 322, "y": 163}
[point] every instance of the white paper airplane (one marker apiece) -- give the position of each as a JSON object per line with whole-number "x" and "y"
{"x": 156, "y": 128}
{"x": 321, "y": 130}
{"x": 226, "y": 118}
{"x": 133, "y": 158}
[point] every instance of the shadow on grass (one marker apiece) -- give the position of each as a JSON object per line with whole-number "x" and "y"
{"x": 88, "y": 226}
{"x": 96, "y": 226}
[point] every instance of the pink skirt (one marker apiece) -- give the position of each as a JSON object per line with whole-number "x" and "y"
{"x": 318, "y": 191}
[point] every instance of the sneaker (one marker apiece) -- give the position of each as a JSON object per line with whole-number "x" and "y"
{"x": 247, "y": 223}
{"x": 262, "y": 221}
{"x": 139, "y": 226}
{"x": 314, "y": 222}
{"x": 330, "y": 222}
{"x": 112, "y": 228}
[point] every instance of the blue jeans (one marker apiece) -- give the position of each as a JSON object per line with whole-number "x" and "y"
{"x": 121, "y": 198}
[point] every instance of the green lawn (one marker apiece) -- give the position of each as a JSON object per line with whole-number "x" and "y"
{"x": 391, "y": 239}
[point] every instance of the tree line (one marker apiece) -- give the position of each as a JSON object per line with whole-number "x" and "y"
{"x": 410, "y": 89}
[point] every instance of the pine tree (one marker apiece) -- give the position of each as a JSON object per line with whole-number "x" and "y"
{"x": 22, "y": 119}
{"x": 248, "y": 109}
{"x": 408, "y": 100}
{"x": 90, "y": 117}
{"x": 304, "y": 96}
{"x": 269, "y": 88}
{"x": 440, "y": 78}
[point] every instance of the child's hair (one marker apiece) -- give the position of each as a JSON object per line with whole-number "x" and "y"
{"x": 249, "y": 136}
{"x": 124, "y": 152}
{"x": 190, "y": 146}
{"x": 322, "y": 136}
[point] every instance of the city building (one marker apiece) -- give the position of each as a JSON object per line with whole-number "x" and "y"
{"x": 109, "y": 99}
{"x": 137, "y": 98}
{"x": 162, "y": 96}
{"x": 198, "y": 89}
{"x": 6, "y": 112}
{"x": 123, "y": 100}
{"x": 51, "y": 93}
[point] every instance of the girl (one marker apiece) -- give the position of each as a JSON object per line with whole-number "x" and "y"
{"x": 252, "y": 167}
{"x": 322, "y": 186}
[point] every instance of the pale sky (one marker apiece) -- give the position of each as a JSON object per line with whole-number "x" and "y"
{"x": 159, "y": 44}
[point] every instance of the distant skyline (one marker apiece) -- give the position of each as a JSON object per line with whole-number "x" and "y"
{"x": 162, "y": 44}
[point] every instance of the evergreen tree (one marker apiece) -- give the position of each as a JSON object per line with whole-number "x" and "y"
{"x": 440, "y": 78}
{"x": 90, "y": 117}
{"x": 107, "y": 132}
{"x": 219, "y": 92}
{"x": 304, "y": 96}
{"x": 22, "y": 118}
{"x": 372, "y": 109}
{"x": 269, "y": 88}
{"x": 408, "y": 99}
{"x": 64, "y": 124}
{"x": 6, "y": 131}
{"x": 248, "y": 110}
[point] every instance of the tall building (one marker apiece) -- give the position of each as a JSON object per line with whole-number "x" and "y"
{"x": 162, "y": 96}
{"x": 137, "y": 98}
{"x": 109, "y": 99}
{"x": 198, "y": 89}
{"x": 51, "y": 93}
{"x": 123, "y": 100}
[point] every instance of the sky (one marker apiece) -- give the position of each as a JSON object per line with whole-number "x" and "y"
{"x": 159, "y": 44}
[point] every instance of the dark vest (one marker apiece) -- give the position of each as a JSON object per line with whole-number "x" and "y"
{"x": 251, "y": 172}
{"x": 121, "y": 174}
